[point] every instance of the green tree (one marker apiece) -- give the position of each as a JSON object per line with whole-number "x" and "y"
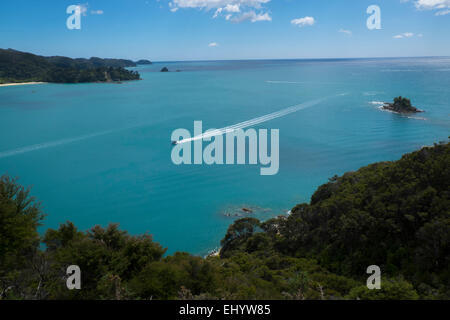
{"x": 390, "y": 290}
{"x": 20, "y": 215}
{"x": 237, "y": 234}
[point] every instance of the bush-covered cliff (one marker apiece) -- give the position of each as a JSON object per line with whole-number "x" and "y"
{"x": 17, "y": 66}
{"x": 392, "y": 214}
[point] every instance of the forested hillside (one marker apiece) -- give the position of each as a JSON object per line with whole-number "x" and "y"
{"x": 16, "y": 66}
{"x": 392, "y": 214}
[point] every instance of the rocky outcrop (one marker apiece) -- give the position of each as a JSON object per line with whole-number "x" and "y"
{"x": 401, "y": 105}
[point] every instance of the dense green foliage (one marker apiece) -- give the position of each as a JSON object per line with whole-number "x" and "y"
{"x": 94, "y": 62}
{"x": 100, "y": 74}
{"x": 400, "y": 101}
{"x": 16, "y": 66}
{"x": 393, "y": 214}
{"x": 20, "y": 216}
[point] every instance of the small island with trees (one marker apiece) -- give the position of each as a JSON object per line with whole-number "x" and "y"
{"x": 401, "y": 105}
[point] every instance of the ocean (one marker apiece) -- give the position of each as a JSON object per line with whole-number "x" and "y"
{"x": 101, "y": 153}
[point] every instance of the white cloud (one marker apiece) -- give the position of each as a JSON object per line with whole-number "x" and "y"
{"x": 217, "y": 13}
{"x": 230, "y": 8}
{"x": 345, "y": 31}
{"x": 442, "y": 7}
{"x": 305, "y": 21}
{"x": 442, "y": 13}
{"x": 213, "y": 44}
{"x": 251, "y": 16}
{"x": 432, "y": 4}
{"x": 215, "y": 4}
{"x": 262, "y": 17}
{"x": 233, "y": 8}
{"x": 404, "y": 35}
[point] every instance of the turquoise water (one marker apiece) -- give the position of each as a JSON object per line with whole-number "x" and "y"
{"x": 100, "y": 153}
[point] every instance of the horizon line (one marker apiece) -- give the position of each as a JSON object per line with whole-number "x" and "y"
{"x": 241, "y": 59}
{"x": 290, "y": 59}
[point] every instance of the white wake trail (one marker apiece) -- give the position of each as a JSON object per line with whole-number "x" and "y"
{"x": 254, "y": 121}
{"x": 61, "y": 142}
{"x": 50, "y": 144}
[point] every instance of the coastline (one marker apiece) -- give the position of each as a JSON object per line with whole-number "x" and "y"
{"x": 20, "y": 83}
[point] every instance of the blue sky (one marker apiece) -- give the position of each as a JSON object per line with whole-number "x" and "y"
{"x": 227, "y": 29}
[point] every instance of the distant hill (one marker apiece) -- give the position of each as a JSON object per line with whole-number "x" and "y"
{"x": 17, "y": 66}
{"x": 143, "y": 62}
{"x": 93, "y": 62}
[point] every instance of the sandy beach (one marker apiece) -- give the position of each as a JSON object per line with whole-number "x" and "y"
{"x": 19, "y": 84}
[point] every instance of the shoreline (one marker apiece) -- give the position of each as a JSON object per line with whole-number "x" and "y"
{"x": 20, "y": 83}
